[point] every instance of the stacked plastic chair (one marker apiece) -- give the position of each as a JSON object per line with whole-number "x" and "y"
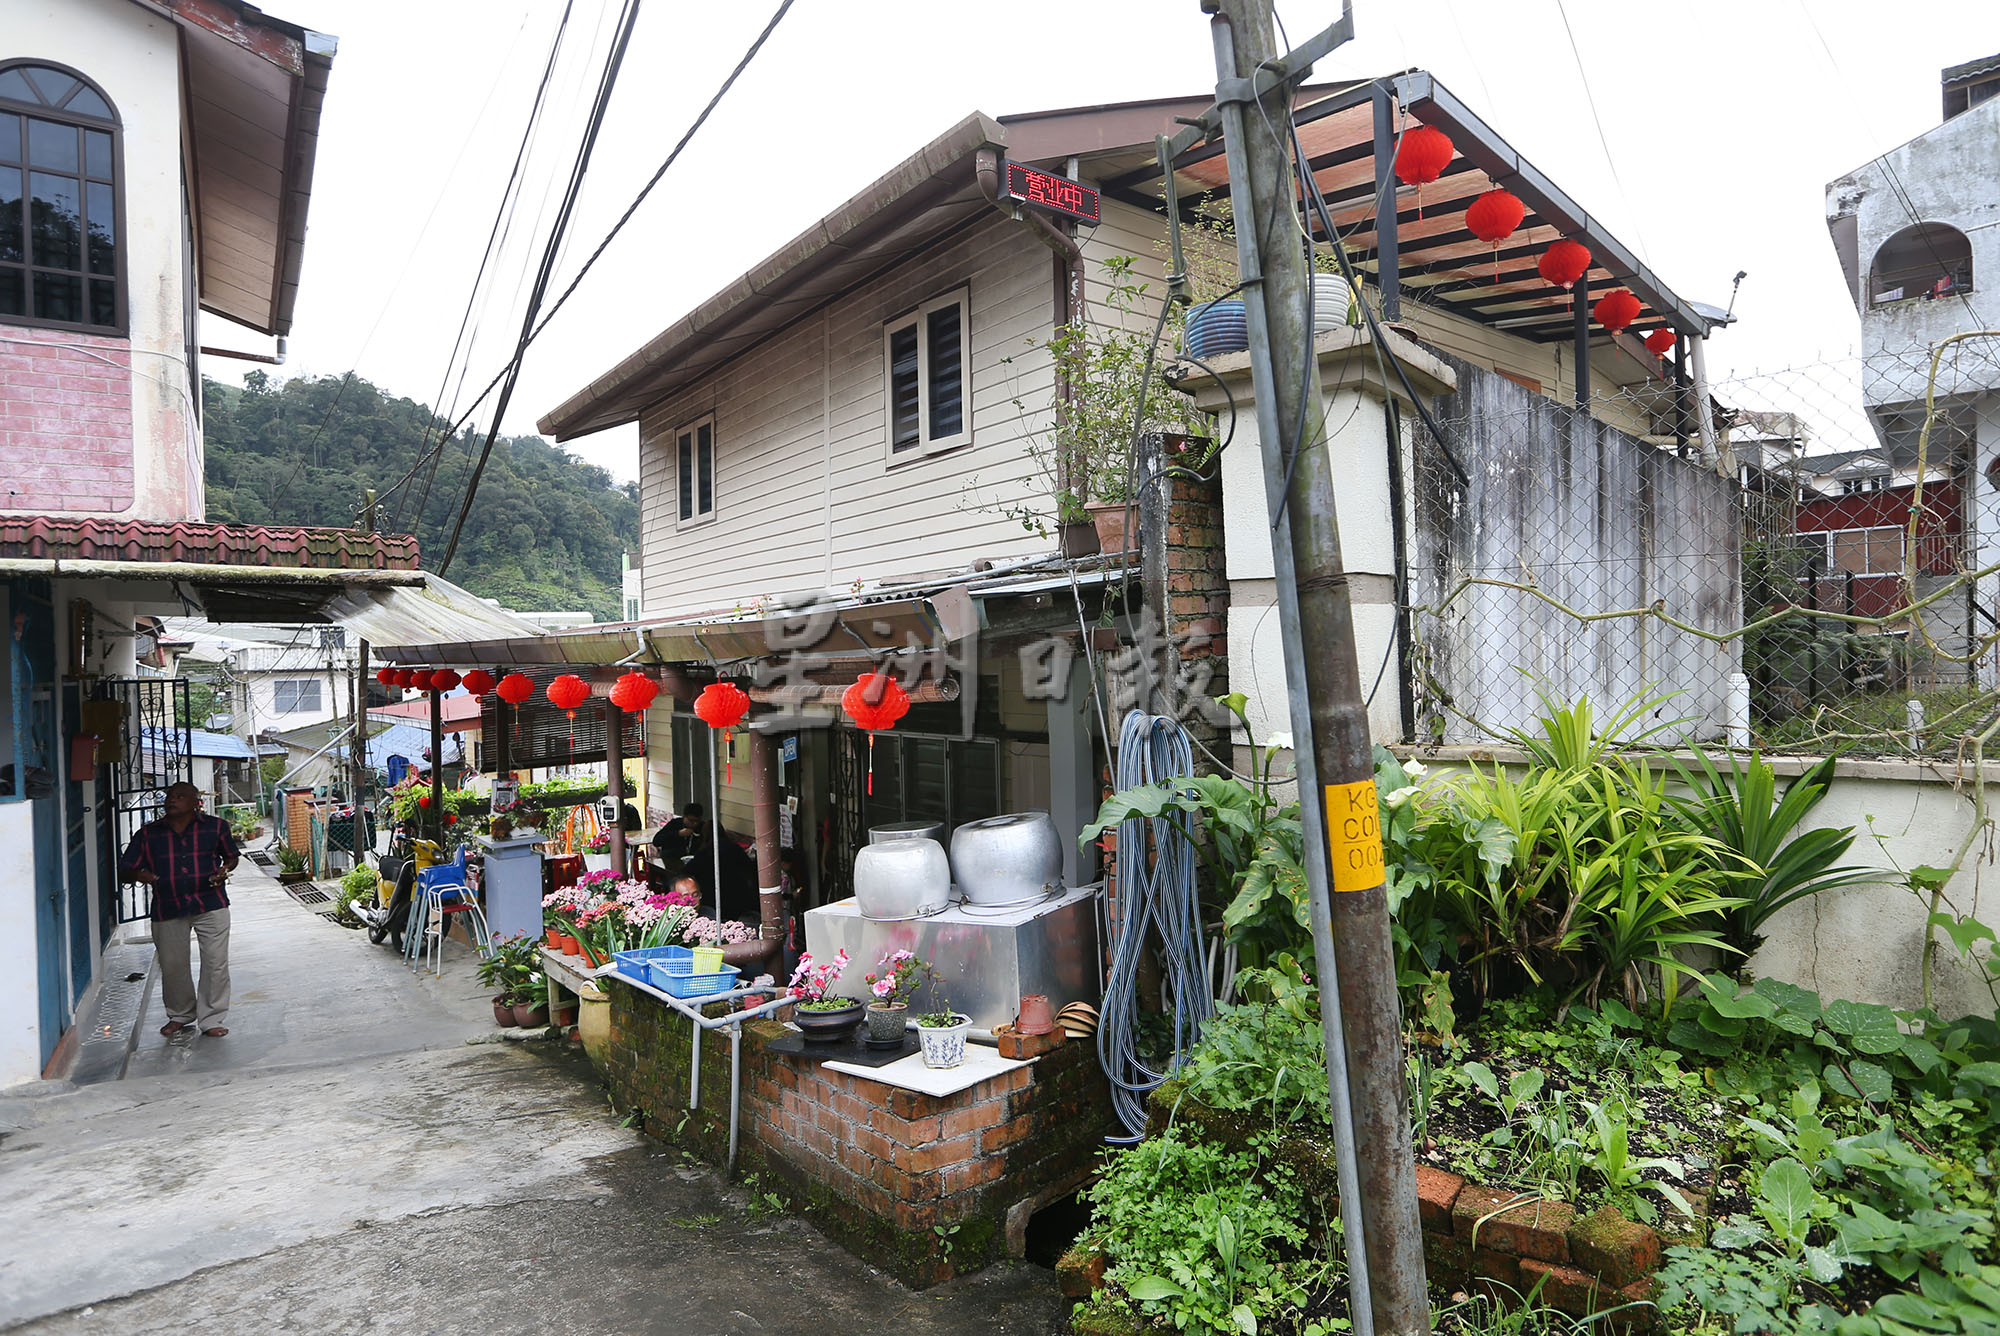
{"x": 441, "y": 892}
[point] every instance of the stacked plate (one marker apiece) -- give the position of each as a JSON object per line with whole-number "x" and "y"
{"x": 1215, "y": 328}
{"x": 1078, "y": 1020}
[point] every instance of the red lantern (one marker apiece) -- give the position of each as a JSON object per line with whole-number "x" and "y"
{"x": 477, "y": 682}
{"x": 404, "y": 677}
{"x": 721, "y": 705}
{"x": 1492, "y": 218}
{"x": 633, "y": 692}
{"x": 1660, "y": 342}
{"x": 424, "y": 801}
{"x": 421, "y": 679}
{"x": 567, "y": 692}
{"x": 386, "y": 676}
{"x": 514, "y": 688}
{"x": 875, "y": 701}
{"x": 1422, "y": 156}
{"x": 1564, "y": 262}
{"x": 443, "y": 680}
{"x": 1616, "y": 309}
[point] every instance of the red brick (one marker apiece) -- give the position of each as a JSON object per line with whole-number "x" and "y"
{"x": 997, "y": 1138}
{"x": 936, "y": 1155}
{"x": 1533, "y": 1228}
{"x": 1564, "y": 1287}
{"x": 1619, "y": 1250}
{"x": 1436, "y": 1191}
{"x": 974, "y": 1118}
{"x": 960, "y": 1177}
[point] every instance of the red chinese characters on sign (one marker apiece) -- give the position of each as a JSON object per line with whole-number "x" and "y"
{"x": 1025, "y": 185}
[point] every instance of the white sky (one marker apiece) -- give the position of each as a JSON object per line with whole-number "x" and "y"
{"x": 1725, "y": 119}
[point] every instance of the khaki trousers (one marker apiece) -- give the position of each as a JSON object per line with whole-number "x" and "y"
{"x": 170, "y": 942}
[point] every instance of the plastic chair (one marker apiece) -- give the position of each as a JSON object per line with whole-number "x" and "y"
{"x": 441, "y": 892}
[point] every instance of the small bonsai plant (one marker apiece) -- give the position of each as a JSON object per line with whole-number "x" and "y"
{"x": 811, "y": 981}
{"x": 900, "y": 977}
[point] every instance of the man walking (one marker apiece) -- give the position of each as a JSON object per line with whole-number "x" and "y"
{"x": 186, "y": 857}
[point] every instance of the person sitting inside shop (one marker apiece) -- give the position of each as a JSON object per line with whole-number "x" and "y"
{"x": 739, "y": 878}
{"x": 676, "y": 841}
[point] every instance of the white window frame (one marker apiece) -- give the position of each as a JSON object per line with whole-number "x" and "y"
{"x": 691, "y": 432}
{"x": 927, "y": 445}
{"x": 298, "y": 685}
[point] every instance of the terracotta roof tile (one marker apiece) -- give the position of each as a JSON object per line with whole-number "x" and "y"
{"x": 52, "y": 537}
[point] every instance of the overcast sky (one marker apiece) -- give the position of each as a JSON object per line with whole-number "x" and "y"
{"x": 1724, "y": 120}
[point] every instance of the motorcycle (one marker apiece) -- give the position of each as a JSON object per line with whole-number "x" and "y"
{"x": 406, "y": 857}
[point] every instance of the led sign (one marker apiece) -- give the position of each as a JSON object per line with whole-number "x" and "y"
{"x": 1058, "y": 194}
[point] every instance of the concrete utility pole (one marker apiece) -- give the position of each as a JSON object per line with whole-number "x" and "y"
{"x": 1343, "y": 841}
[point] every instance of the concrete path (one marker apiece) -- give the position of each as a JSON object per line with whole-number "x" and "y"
{"x": 361, "y": 1154}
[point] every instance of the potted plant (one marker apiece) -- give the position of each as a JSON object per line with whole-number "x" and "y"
{"x": 292, "y": 866}
{"x": 597, "y": 853}
{"x": 901, "y": 973}
{"x": 942, "y": 1032}
{"x": 821, "y": 1017}
{"x": 511, "y": 969}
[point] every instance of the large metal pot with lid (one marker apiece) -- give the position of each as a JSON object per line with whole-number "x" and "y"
{"x": 1007, "y": 860}
{"x": 907, "y": 830}
{"x": 901, "y": 878}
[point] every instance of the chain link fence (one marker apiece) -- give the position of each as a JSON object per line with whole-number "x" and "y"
{"x": 1805, "y": 563}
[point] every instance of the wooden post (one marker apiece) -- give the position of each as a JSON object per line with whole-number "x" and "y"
{"x": 614, "y": 782}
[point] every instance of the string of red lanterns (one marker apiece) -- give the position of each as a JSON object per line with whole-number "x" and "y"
{"x": 1616, "y": 309}
{"x": 514, "y": 688}
{"x": 477, "y": 682}
{"x": 633, "y": 692}
{"x": 1660, "y": 342}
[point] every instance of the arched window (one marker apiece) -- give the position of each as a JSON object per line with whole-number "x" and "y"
{"x": 1927, "y": 260}
{"x": 61, "y": 261}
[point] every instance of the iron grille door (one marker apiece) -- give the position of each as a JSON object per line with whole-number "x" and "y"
{"x": 155, "y": 747}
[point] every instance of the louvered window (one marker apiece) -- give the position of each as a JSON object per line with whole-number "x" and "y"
{"x": 927, "y": 379}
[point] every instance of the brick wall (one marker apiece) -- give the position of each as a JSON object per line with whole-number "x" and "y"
{"x": 879, "y": 1169}
{"x": 1187, "y": 587}
{"x": 65, "y": 421}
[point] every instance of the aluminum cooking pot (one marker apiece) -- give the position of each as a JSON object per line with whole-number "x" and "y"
{"x": 901, "y": 879}
{"x": 907, "y": 830}
{"x": 1007, "y": 860}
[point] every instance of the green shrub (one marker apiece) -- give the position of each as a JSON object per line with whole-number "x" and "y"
{"x": 1208, "y": 1238}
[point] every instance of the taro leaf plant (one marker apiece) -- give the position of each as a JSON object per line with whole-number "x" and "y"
{"x": 1744, "y": 812}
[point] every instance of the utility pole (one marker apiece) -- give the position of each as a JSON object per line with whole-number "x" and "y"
{"x": 358, "y": 756}
{"x": 1343, "y": 842}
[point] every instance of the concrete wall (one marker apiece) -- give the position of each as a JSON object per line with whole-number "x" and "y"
{"x": 1863, "y": 942}
{"x": 20, "y": 1007}
{"x": 107, "y": 425}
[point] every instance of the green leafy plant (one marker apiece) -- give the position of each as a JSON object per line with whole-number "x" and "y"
{"x": 1197, "y": 1234}
{"x": 1746, "y": 815}
{"x": 1608, "y": 1144}
{"x": 512, "y": 966}
{"x": 290, "y": 861}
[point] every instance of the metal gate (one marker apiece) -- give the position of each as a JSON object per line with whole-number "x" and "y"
{"x": 155, "y": 747}
{"x": 848, "y": 798}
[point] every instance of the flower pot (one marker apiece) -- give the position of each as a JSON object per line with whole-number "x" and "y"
{"x": 593, "y": 1022}
{"x": 827, "y": 1027}
{"x": 503, "y": 1011}
{"x": 1037, "y": 1017}
{"x": 886, "y": 1021}
{"x": 563, "y": 1016}
{"x": 1110, "y": 520}
{"x": 944, "y": 1045}
{"x": 501, "y": 828}
{"x": 597, "y": 862}
{"x": 1078, "y": 538}
{"x": 529, "y": 1015}
{"x": 552, "y": 937}
{"x": 568, "y": 945}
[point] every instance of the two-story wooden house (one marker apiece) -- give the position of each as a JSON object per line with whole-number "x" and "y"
{"x": 864, "y": 420}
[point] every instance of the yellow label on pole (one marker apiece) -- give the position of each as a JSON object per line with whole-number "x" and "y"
{"x": 1354, "y": 833}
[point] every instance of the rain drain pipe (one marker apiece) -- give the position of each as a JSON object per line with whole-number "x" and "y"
{"x": 986, "y": 165}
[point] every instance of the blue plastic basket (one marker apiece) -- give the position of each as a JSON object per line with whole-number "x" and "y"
{"x": 695, "y": 985}
{"x": 641, "y": 964}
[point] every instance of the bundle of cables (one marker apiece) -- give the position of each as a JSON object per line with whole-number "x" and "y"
{"x": 1156, "y": 905}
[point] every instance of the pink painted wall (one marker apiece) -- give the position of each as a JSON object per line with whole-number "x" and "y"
{"x": 65, "y": 422}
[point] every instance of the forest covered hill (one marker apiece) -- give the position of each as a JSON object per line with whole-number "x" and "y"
{"x": 545, "y": 533}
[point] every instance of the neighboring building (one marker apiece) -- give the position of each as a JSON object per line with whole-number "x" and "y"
{"x": 1916, "y": 236}
{"x": 225, "y": 767}
{"x": 631, "y": 586}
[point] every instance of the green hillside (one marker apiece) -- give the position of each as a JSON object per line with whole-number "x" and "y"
{"x": 545, "y": 533}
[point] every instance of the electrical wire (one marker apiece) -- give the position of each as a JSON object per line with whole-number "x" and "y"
{"x": 1156, "y": 900}
{"x": 595, "y": 123}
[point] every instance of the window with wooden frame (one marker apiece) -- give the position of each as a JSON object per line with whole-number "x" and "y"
{"x": 927, "y": 388}
{"x": 62, "y": 254}
{"x": 694, "y": 471}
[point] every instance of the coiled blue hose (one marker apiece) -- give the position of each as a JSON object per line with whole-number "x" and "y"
{"x": 1156, "y": 894}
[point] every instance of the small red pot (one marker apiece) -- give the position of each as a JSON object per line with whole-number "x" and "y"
{"x": 552, "y": 938}
{"x": 1036, "y": 1017}
{"x": 568, "y": 945}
